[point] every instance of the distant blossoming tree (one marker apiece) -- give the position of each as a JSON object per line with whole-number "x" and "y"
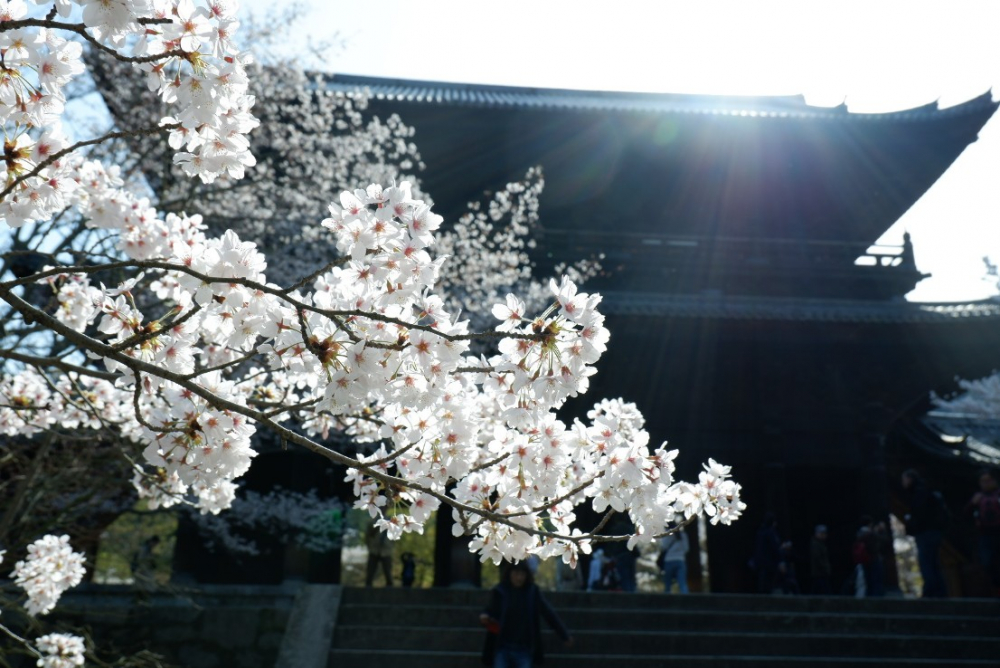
{"x": 178, "y": 340}
{"x": 978, "y": 398}
{"x": 312, "y": 145}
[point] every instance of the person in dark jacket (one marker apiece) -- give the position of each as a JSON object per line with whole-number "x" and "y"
{"x": 766, "y": 554}
{"x": 926, "y": 522}
{"x": 819, "y": 562}
{"x": 409, "y": 572}
{"x": 882, "y": 542}
{"x": 513, "y": 619}
{"x": 624, "y": 558}
{"x": 787, "y": 581}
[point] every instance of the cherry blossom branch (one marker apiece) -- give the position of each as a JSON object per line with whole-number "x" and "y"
{"x": 65, "y": 397}
{"x": 277, "y": 292}
{"x": 156, "y": 329}
{"x": 311, "y": 346}
{"x": 568, "y": 495}
{"x": 225, "y": 365}
{"x": 56, "y": 363}
{"x": 91, "y": 408}
{"x": 285, "y": 408}
{"x": 138, "y": 367}
{"x": 490, "y": 462}
{"x": 136, "y": 394}
{"x": 339, "y": 322}
{"x": 474, "y": 369}
{"x": 81, "y": 30}
{"x": 604, "y": 520}
{"x": 301, "y": 283}
{"x": 121, "y": 134}
{"x": 344, "y": 420}
{"x": 677, "y": 527}
{"x": 392, "y": 455}
{"x": 7, "y": 521}
{"x": 21, "y": 640}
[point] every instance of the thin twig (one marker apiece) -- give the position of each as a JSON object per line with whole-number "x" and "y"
{"x": 225, "y": 365}
{"x": 316, "y": 274}
{"x": 55, "y": 363}
{"x": 19, "y": 638}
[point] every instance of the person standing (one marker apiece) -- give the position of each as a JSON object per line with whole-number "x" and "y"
{"x": 788, "y": 581}
{"x": 861, "y": 557}
{"x": 882, "y": 545}
{"x": 144, "y": 567}
{"x": 596, "y": 568}
{"x": 673, "y": 551}
{"x": 624, "y": 558}
{"x": 819, "y": 562}
{"x": 409, "y": 572}
{"x": 873, "y": 564}
{"x": 766, "y": 554}
{"x": 513, "y": 621}
{"x": 568, "y": 578}
{"x": 985, "y": 507}
{"x": 926, "y": 522}
{"x": 379, "y": 552}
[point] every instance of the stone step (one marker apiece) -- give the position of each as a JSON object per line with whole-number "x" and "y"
{"x": 445, "y": 616}
{"x": 716, "y": 602}
{"x": 344, "y": 658}
{"x": 599, "y": 641}
{"x": 656, "y": 630}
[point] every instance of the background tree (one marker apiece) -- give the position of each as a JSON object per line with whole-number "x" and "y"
{"x": 312, "y": 145}
{"x": 193, "y": 347}
{"x": 315, "y": 143}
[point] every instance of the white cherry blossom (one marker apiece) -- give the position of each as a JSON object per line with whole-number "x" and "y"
{"x": 195, "y": 349}
{"x": 51, "y": 568}
{"x": 60, "y": 650}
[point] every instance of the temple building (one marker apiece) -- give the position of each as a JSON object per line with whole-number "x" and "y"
{"x": 753, "y": 319}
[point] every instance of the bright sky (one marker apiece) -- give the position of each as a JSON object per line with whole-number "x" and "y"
{"x": 878, "y": 55}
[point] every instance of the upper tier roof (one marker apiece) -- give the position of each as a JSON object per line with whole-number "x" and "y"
{"x": 691, "y": 166}
{"x": 784, "y": 106}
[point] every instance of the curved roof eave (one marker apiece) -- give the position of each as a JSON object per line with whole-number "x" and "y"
{"x": 491, "y": 96}
{"x": 725, "y": 307}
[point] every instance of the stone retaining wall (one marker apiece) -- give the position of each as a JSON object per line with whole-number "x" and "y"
{"x": 202, "y": 626}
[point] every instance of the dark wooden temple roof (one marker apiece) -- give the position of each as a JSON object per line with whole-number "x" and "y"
{"x": 662, "y": 182}
{"x": 491, "y": 96}
{"x": 969, "y": 439}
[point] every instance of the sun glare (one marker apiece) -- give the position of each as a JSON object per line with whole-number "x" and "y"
{"x": 873, "y": 57}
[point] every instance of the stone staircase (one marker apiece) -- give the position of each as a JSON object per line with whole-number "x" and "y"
{"x": 400, "y": 628}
